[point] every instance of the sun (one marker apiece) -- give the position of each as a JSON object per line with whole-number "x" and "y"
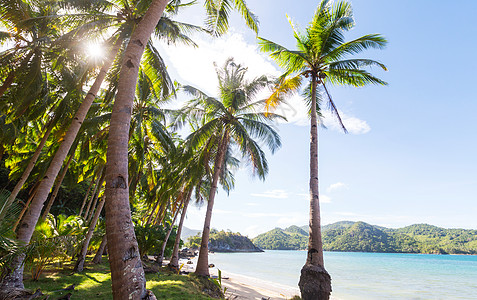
{"x": 94, "y": 50}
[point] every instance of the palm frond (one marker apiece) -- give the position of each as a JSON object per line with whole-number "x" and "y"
{"x": 370, "y": 41}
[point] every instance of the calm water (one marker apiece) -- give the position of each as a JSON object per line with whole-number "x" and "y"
{"x": 366, "y": 275}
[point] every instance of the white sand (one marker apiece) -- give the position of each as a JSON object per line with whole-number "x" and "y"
{"x": 244, "y": 287}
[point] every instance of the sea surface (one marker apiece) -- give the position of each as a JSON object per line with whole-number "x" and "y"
{"x": 365, "y": 275}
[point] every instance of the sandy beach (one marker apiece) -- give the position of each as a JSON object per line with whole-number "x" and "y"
{"x": 244, "y": 287}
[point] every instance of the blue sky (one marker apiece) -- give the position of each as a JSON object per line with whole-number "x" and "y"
{"x": 410, "y": 157}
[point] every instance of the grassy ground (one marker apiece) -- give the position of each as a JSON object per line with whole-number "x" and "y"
{"x": 95, "y": 283}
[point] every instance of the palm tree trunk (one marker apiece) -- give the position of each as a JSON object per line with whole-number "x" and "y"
{"x": 28, "y": 223}
{"x": 86, "y": 197}
{"x": 93, "y": 195}
{"x": 99, "y": 254}
{"x": 160, "y": 257}
{"x": 315, "y": 282}
{"x": 27, "y": 171}
{"x": 84, "y": 249}
{"x": 149, "y": 219}
{"x": 174, "y": 263}
{"x": 203, "y": 260}
{"x": 27, "y": 204}
{"x": 95, "y": 200}
{"x": 58, "y": 185}
{"x": 127, "y": 273}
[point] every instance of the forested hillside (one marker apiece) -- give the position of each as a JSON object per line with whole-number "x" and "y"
{"x": 225, "y": 241}
{"x": 363, "y": 237}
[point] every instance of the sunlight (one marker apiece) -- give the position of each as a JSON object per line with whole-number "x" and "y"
{"x": 94, "y": 50}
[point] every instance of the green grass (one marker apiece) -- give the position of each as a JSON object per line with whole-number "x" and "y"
{"x": 95, "y": 283}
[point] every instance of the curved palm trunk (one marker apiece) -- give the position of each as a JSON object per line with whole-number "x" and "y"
{"x": 160, "y": 257}
{"x": 93, "y": 195}
{"x": 174, "y": 263}
{"x": 27, "y": 171}
{"x": 57, "y": 187}
{"x": 30, "y": 219}
{"x": 86, "y": 197}
{"x": 315, "y": 282}
{"x": 127, "y": 274}
{"x": 95, "y": 200}
{"x": 99, "y": 254}
{"x": 27, "y": 204}
{"x": 149, "y": 219}
{"x": 84, "y": 249}
{"x": 203, "y": 260}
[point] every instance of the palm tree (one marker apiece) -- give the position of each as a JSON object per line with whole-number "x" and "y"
{"x": 232, "y": 120}
{"x": 322, "y": 56}
{"x": 123, "y": 249}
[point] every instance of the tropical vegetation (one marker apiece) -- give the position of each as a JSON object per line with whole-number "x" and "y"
{"x": 92, "y": 161}
{"x": 362, "y": 237}
{"x": 224, "y": 241}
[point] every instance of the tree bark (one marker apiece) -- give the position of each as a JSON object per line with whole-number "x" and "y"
{"x": 203, "y": 260}
{"x": 149, "y": 219}
{"x": 86, "y": 197}
{"x": 127, "y": 273}
{"x": 160, "y": 257}
{"x": 28, "y": 223}
{"x": 27, "y": 204}
{"x": 58, "y": 185}
{"x": 27, "y": 171}
{"x": 99, "y": 254}
{"x": 84, "y": 249}
{"x": 93, "y": 195}
{"x": 95, "y": 200}
{"x": 174, "y": 263}
{"x": 315, "y": 282}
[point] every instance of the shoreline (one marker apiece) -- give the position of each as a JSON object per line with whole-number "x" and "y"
{"x": 246, "y": 287}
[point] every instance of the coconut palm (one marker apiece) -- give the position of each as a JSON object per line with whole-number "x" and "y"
{"x": 123, "y": 250}
{"x": 322, "y": 57}
{"x": 231, "y": 120}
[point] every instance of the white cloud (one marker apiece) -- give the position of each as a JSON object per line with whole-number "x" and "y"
{"x": 276, "y": 194}
{"x": 252, "y": 204}
{"x": 195, "y": 66}
{"x": 336, "y": 186}
{"x": 352, "y": 124}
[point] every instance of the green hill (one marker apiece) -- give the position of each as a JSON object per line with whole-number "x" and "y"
{"x": 362, "y": 237}
{"x": 279, "y": 239}
{"x": 224, "y": 241}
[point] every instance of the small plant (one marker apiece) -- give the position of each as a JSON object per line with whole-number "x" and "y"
{"x": 218, "y": 281}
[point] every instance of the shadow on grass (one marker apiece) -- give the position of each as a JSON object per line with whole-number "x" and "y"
{"x": 95, "y": 283}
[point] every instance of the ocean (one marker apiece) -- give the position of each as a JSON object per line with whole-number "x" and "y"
{"x": 365, "y": 275}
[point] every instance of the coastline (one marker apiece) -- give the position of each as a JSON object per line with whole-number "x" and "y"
{"x": 245, "y": 287}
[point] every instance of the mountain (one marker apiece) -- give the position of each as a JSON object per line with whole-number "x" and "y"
{"x": 281, "y": 239}
{"x": 362, "y": 237}
{"x": 225, "y": 241}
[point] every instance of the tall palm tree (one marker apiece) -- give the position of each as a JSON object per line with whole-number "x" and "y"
{"x": 123, "y": 250}
{"x": 322, "y": 56}
{"x": 231, "y": 120}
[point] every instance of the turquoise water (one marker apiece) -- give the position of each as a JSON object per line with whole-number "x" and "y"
{"x": 366, "y": 275}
